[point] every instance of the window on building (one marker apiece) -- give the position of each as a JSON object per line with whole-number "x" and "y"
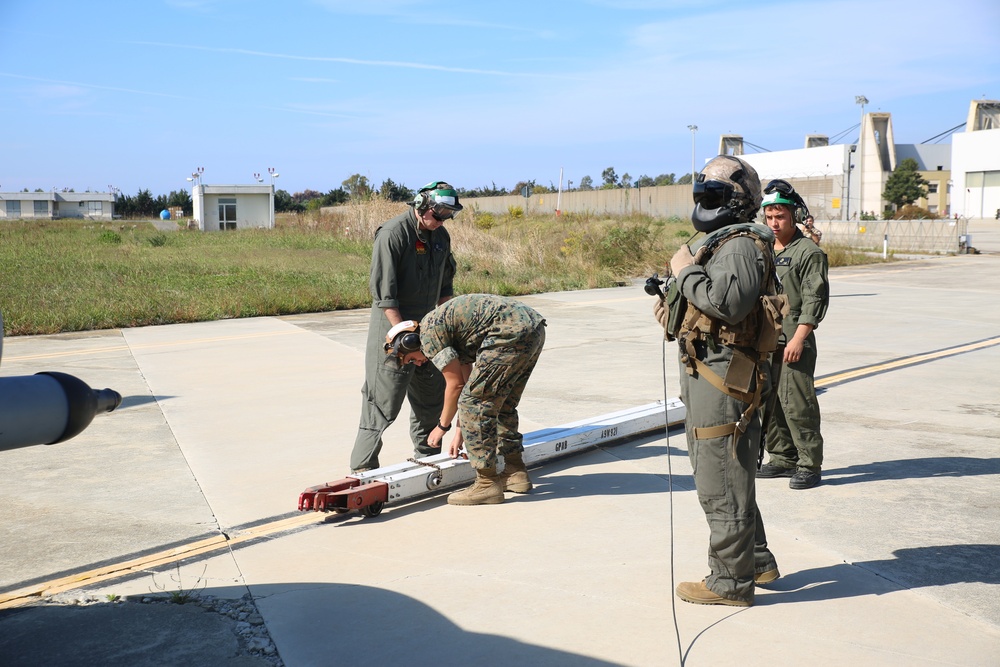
{"x": 95, "y": 207}
{"x": 932, "y": 208}
{"x": 932, "y": 188}
{"x": 41, "y": 208}
{"x": 227, "y": 213}
{"x": 13, "y": 208}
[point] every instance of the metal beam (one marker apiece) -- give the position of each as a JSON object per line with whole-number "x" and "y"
{"x": 414, "y": 479}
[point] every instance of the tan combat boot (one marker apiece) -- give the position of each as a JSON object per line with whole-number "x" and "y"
{"x": 515, "y": 474}
{"x": 486, "y": 490}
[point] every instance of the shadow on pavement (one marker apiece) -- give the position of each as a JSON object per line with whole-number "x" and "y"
{"x": 311, "y": 624}
{"x": 917, "y": 567}
{"x": 134, "y": 401}
{"x": 942, "y": 466}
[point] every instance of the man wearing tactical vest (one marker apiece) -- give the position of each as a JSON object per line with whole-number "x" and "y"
{"x": 723, "y": 309}
{"x": 793, "y": 439}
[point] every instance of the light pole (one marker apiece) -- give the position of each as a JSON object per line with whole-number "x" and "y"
{"x": 196, "y": 175}
{"x": 693, "y": 128}
{"x": 850, "y": 168}
{"x": 862, "y": 100}
{"x": 271, "y": 171}
{"x": 256, "y": 177}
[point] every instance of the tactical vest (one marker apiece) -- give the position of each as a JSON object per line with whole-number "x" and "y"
{"x": 751, "y": 340}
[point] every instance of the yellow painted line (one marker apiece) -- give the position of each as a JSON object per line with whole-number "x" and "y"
{"x": 30, "y": 594}
{"x": 904, "y": 362}
{"x": 150, "y": 346}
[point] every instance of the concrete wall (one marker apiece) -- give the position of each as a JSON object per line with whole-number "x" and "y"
{"x": 662, "y": 201}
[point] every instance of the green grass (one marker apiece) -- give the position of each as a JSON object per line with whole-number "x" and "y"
{"x": 70, "y": 277}
{"x": 73, "y": 276}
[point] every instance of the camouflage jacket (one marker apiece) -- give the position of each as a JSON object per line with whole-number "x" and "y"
{"x": 474, "y": 327}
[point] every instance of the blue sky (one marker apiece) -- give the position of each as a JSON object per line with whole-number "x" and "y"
{"x": 139, "y": 94}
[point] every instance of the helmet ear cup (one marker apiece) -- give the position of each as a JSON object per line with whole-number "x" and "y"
{"x": 423, "y": 198}
{"x": 801, "y": 210}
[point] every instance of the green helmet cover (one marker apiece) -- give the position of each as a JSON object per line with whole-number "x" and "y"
{"x": 778, "y": 198}
{"x": 440, "y": 196}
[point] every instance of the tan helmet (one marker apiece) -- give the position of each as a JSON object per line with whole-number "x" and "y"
{"x": 726, "y": 192}
{"x": 403, "y": 339}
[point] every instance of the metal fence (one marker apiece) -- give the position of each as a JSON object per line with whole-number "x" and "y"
{"x": 924, "y": 236}
{"x": 665, "y": 201}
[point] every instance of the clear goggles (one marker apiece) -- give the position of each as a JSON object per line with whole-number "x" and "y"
{"x": 779, "y": 185}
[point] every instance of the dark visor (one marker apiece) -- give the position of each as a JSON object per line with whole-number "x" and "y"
{"x": 712, "y": 194}
{"x": 409, "y": 343}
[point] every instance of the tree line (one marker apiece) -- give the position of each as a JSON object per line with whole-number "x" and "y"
{"x": 904, "y": 187}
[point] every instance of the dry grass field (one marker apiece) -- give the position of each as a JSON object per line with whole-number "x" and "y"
{"x": 74, "y": 275}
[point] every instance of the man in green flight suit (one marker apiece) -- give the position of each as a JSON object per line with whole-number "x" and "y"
{"x": 793, "y": 442}
{"x": 722, "y": 289}
{"x": 411, "y": 274}
{"x": 486, "y": 346}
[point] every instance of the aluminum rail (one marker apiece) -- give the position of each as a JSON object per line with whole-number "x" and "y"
{"x": 370, "y": 491}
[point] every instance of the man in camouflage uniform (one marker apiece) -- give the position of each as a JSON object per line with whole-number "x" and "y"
{"x": 794, "y": 442}
{"x": 809, "y": 230}
{"x": 411, "y": 273}
{"x": 716, "y": 291}
{"x": 486, "y": 346}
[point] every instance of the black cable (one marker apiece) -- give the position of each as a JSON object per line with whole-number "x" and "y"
{"x": 670, "y": 502}
{"x": 946, "y": 132}
{"x": 759, "y": 148}
{"x": 837, "y": 136}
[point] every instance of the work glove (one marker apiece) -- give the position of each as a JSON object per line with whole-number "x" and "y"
{"x": 683, "y": 259}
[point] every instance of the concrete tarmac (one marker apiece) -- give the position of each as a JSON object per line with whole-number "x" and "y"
{"x": 893, "y": 560}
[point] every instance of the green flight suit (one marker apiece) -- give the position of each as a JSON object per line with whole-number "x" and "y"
{"x": 727, "y": 287}
{"x": 412, "y": 269}
{"x": 793, "y": 431}
{"x": 503, "y": 338}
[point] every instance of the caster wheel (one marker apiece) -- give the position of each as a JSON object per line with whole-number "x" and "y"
{"x": 372, "y": 510}
{"x": 434, "y": 480}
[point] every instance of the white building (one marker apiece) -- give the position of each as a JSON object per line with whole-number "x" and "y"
{"x": 222, "y": 207}
{"x": 838, "y": 182}
{"x": 52, "y": 205}
{"x": 976, "y": 163}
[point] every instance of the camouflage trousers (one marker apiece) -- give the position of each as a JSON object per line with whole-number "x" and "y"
{"x": 487, "y": 406}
